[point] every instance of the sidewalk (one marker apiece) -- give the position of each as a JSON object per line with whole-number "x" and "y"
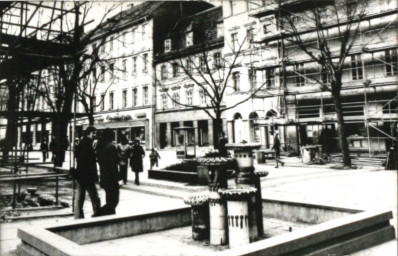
{"x": 366, "y": 188}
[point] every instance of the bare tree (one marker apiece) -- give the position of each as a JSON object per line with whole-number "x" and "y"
{"x": 66, "y": 78}
{"x": 213, "y": 75}
{"x": 327, "y": 35}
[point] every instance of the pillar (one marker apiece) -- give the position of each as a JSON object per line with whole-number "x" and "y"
{"x": 218, "y": 213}
{"x": 230, "y": 131}
{"x": 169, "y": 137}
{"x": 238, "y": 217}
{"x": 211, "y": 133}
{"x": 196, "y": 126}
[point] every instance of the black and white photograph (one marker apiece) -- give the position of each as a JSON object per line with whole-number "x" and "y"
{"x": 199, "y": 127}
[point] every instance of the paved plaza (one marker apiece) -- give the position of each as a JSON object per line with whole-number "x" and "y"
{"x": 365, "y": 188}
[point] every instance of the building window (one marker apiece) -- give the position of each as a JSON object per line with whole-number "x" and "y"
{"x": 145, "y": 62}
{"x": 124, "y": 99}
{"x": 124, "y": 67}
{"x": 167, "y": 45}
{"x": 234, "y": 38}
{"x": 175, "y": 69}
{"x": 133, "y": 36}
{"x": 124, "y": 38}
{"x": 299, "y": 74}
{"x": 145, "y": 95}
{"x": 134, "y": 65}
{"x": 111, "y": 100}
{"x": 102, "y": 102}
{"x": 202, "y": 64}
{"x": 176, "y": 99}
{"x": 111, "y": 43}
{"x": 102, "y": 73}
{"x": 324, "y": 75}
{"x": 189, "y": 97}
{"x": 163, "y": 72}
{"x": 391, "y": 60}
{"x": 270, "y": 77}
{"x": 253, "y": 79}
{"x": 217, "y": 60}
{"x": 188, "y": 66}
{"x": 220, "y": 30}
{"x": 134, "y": 97}
{"x": 164, "y": 101}
{"x": 356, "y": 67}
{"x": 202, "y": 96}
{"x": 112, "y": 69}
{"x": 189, "y": 39}
{"x": 235, "y": 80}
{"x": 266, "y": 28}
{"x": 231, "y": 6}
{"x": 249, "y": 36}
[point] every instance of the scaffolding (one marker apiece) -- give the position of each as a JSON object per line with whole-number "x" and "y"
{"x": 372, "y": 93}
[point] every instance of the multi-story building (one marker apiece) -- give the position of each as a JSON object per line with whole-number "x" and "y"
{"x": 191, "y": 53}
{"x": 249, "y": 78}
{"x": 124, "y": 93}
{"x": 370, "y": 85}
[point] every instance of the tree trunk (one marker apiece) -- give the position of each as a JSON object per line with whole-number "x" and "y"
{"x": 91, "y": 119}
{"x": 342, "y": 132}
{"x": 217, "y": 129}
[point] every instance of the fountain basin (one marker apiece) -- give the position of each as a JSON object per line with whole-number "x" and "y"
{"x": 320, "y": 229}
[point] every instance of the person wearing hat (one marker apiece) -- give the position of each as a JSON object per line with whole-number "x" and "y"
{"x": 136, "y": 163}
{"x": 86, "y": 173}
{"x": 277, "y": 147}
{"x": 109, "y": 175}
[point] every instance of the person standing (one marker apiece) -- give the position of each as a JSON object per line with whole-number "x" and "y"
{"x": 86, "y": 174}
{"x": 123, "y": 151}
{"x": 137, "y": 154}
{"x": 109, "y": 175}
{"x": 222, "y": 141}
{"x": 53, "y": 148}
{"x": 44, "y": 149}
{"x": 153, "y": 157}
{"x": 277, "y": 147}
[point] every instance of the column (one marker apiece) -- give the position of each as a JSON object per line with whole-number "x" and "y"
{"x": 211, "y": 134}
{"x": 238, "y": 217}
{"x": 230, "y": 131}
{"x": 157, "y": 132}
{"x": 196, "y": 126}
{"x": 168, "y": 135}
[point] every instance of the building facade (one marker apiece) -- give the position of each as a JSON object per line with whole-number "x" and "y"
{"x": 124, "y": 94}
{"x": 191, "y": 53}
{"x": 369, "y": 72}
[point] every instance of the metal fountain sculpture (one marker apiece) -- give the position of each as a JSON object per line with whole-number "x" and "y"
{"x": 234, "y": 214}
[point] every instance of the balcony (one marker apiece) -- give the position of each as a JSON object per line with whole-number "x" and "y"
{"x": 288, "y": 6}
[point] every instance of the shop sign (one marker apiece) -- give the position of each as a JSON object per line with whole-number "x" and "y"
{"x": 118, "y": 118}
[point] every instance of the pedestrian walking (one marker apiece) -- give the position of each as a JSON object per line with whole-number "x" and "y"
{"x": 154, "y": 157}
{"x": 123, "y": 151}
{"x": 86, "y": 174}
{"x": 137, "y": 154}
{"x": 44, "y": 149}
{"x": 277, "y": 147}
{"x": 109, "y": 175}
{"x": 53, "y": 148}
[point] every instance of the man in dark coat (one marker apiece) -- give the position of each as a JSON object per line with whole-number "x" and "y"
{"x": 53, "y": 148}
{"x": 109, "y": 174}
{"x": 277, "y": 147}
{"x": 86, "y": 173}
{"x": 137, "y": 155}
